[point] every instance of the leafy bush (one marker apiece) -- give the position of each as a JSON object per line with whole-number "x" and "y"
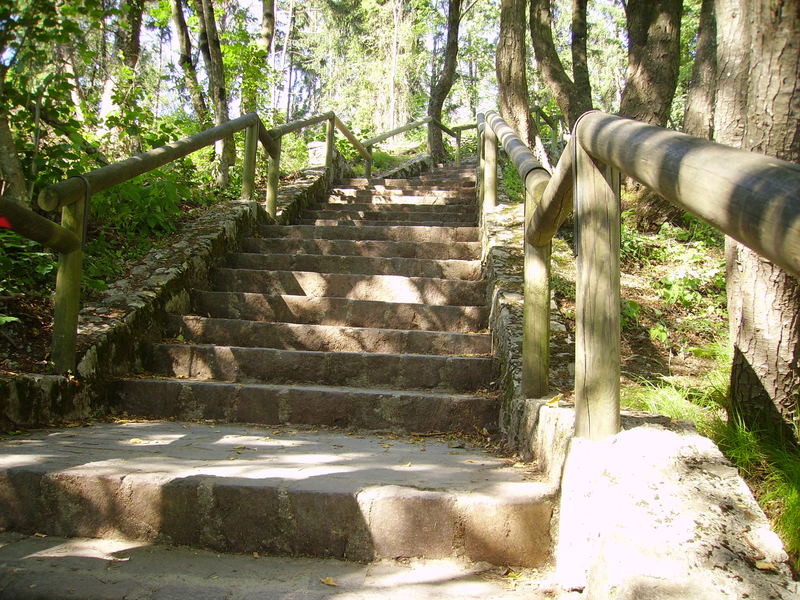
{"x": 26, "y": 266}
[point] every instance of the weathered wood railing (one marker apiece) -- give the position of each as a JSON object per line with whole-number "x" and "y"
{"x": 753, "y": 198}
{"x": 429, "y": 121}
{"x": 72, "y": 197}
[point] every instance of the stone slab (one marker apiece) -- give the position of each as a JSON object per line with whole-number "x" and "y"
{"x": 273, "y": 490}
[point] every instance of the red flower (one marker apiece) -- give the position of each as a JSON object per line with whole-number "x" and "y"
{"x": 5, "y": 223}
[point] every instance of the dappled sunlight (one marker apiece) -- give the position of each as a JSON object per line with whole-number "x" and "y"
{"x": 88, "y": 548}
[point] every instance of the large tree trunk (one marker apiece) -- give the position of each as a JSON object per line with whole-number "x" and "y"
{"x": 185, "y": 61}
{"x": 758, "y": 57}
{"x": 573, "y": 97}
{"x": 698, "y": 117}
{"x": 441, "y": 89}
{"x": 654, "y": 38}
{"x": 212, "y": 53}
{"x": 512, "y": 83}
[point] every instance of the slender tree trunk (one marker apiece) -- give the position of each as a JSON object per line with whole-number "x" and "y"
{"x": 698, "y": 118}
{"x": 757, "y": 108}
{"x": 185, "y": 61}
{"x": 10, "y": 167}
{"x": 572, "y": 99}
{"x": 267, "y": 26}
{"x": 212, "y": 53}
{"x": 396, "y": 6}
{"x": 443, "y": 84}
{"x": 654, "y": 37}
{"x": 285, "y": 49}
{"x": 512, "y": 83}
{"x": 580, "y": 62}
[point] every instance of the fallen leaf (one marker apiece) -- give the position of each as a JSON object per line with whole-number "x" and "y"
{"x": 240, "y": 447}
{"x": 256, "y": 555}
{"x": 329, "y": 581}
{"x": 764, "y": 565}
{"x": 39, "y": 535}
{"x": 135, "y": 441}
{"x": 553, "y": 402}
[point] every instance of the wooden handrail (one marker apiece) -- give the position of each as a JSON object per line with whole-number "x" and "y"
{"x": 282, "y": 130}
{"x": 38, "y": 228}
{"x": 397, "y": 130}
{"x": 750, "y": 197}
{"x": 351, "y": 138}
{"x": 73, "y": 189}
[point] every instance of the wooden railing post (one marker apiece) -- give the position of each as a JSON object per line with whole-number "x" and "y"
{"x": 481, "y": 182}
{"x": 329, "y": 143}
{"x": 536, "y": 307}
{"x": 273, "y": 176}
{"x": 68, "y": 289}
{"x": 368, "y": 163}
{"x": 249, "y": 163}
{"x": 458, "y": 146}
{"x": 489, "y": 169}
{"x": 597, "y": 314}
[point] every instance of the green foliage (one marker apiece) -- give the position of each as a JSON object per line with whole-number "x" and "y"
{"x": 511, "y": 183}
{"x": 25, "y": 265}
{"x": 637, "y": 248}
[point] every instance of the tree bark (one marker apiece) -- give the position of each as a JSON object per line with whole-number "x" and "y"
{"x": 11, "y": 167}
{"x": 441, "y": 88}
{"x": 212, "y": 53}
{"x": 698, "y": 117}
{"x": 572, "y": 99}
{"x": 512, "y": 83}
{"x": 654, "y": 38}
{"x": 185, "y": 61}
{"x": 757, "y": 108}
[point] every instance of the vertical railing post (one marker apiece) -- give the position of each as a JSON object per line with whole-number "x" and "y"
{"x": 536, "y": 307}
{"x": 458, "y": 146}
{"x": 329, "y": 143}
{"x": 68, "y": 290}
{"x": 368, "y": 163}
{"x": 249, "y": 163}
{"x": 273, "y": 176}
{"x": 489, "y": 169}
{"x": 597, "y": 313}
{"x": 481, "y": 167}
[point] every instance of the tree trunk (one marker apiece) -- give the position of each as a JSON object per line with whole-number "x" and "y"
{"x": 572, "y": 99}
{"x": 185, "y": 61}
{"x": 267, "y": 26}
{"x": 654, "y": 38}
{"x": 512, "y": 83}
{"x": 212, "y": 53}
{"x": 758, "y": 55}
{"x": 580, "y": 63}
{"x": 10, "y": 167}
{"x": 441, "y": 89}
{"x": 698, "y": 118}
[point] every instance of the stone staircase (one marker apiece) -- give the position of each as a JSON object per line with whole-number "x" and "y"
{"x": 353, "y": 344}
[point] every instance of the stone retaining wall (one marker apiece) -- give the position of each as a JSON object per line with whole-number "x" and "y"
{"x": 132, "y": 311}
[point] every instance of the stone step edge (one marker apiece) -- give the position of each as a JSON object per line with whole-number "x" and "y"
{"x": 374, "y": 409}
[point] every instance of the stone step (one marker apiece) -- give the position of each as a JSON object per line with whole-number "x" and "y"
{"x": 402, "y": 200}
{"x": 376, "y": 248}
{"x": 325, "y": 338}
{"x": 374, "y": 232}
{"x": 386, "y": 288}
{"x": 357, "y": 214}
{"x": 401, "y": 194}
{"x": 359, "y": 265}
{"x": 276, "y": 491}
{"x": 443, "y": 183}
{"x": 427, "y": 209}
{"x": 271, "y": 365}
{"x": 340, "y": 311}
{"x": 357, "y": 222}
{"x": 373, "y": 409}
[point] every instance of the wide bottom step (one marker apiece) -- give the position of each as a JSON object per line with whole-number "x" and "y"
{"x": 277, "y": 491}
{"x": 35, "y": 568}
